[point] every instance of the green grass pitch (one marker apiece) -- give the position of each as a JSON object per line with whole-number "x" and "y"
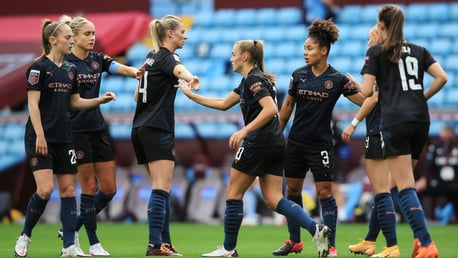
{"x": 130, "y": 240}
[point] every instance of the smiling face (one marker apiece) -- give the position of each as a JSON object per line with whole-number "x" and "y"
{"x": 84, "y": 37}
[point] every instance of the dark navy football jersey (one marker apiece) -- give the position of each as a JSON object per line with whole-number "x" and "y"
{"x": 400, "y": 84}
{"x": 251, "y": 89}
{"x": 315, "y": 100}
{"x": 56, "y": 85}
{"x": 89, "y": 77}
{"x": 156, "y": 96}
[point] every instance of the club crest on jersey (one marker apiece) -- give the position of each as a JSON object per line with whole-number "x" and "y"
{"x": 71, "y": 75}
{"x": 34, "y": 76}
{"x": 328, "y": 84}
{"x": 95, "y": 65}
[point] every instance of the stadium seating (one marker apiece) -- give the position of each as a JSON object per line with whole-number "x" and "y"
{"x": 208, "y": 49}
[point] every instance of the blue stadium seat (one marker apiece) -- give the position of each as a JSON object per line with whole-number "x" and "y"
{"x": 410, "y": 31}
{"x": 296, "y": 33}
{"x": 345, "y": 32}
{"x": 204, "y": 19}
{"x": 187, "y": 52}
{"x": 184, "y": 131}
{"x": 212, "y": 36}
{"x": 274, "y": 33}
{"x": 275, "y": 65}
{"x": 13, "y": 131}
{"x": 450, "y": 63}
{"x": 289, "y": 49}
{"x": 293, "y": 64}
{"x": 440, "y": 46}
{"x": 453, "y": 11}
{"x": 289, "y": 16}
{"x": 183, "y": 104}
{"x": 198, "y": 66}
{"x": 17, "y": 147}
{"x": 224, "y": 84}
{"x": 354, "y": 49}
{"x": 369, "y": 14}
{"x": 283, "y": 81}
{"x": 360, "y": 32}
{"x": 251, "y": 33}
{"x": 451, "y": 98}
{"x": 137, "y": 52}
{"x": 447, "y": 30}
{"x": 113, "y": 83}
{"x": 438, "y": 100}
{"x": 427, "y": 30}
{"x": 416, "y": 12}
{"x": 349, "y": 14}
{"x": 439, "y": 12}
{"x": 224, "y": 17}
{"x": 342, "y": 64}
{"x": 269, "y": 50}
{"x": 452, "y": 81}
{"x": 124, "y": 103}
{"x": 215, "y": 129}
{"x": 245, "y": 17}
{"x": 266, "y": 17}
{"x": 195, "y": 35}
{"x": 222, "y": 51}
{"x": 229, "y": 35}
{"x": 120, "y": 130}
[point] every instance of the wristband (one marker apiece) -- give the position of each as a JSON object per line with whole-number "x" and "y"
{"x": 355, "y": 122}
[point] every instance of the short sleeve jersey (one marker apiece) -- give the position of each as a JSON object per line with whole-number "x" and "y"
{"x": 315, "y": 98}
{"x": 251, "y": 89}
{"x": 56, "y": 85}
{"x": 156, "y": 96}
{"x": 400, "y": 84}
{"x": 89, "y": 77}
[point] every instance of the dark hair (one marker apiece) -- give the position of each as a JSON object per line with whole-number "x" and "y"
{"x": 158, "y": 29}
{"x": 325, "y": 32}
{"x": 48, "y": 29}
{"x": 393, "y": 18}
{"x": 255, "y": 49}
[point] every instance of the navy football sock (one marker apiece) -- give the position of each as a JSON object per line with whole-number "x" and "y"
{"x": 232, "y": 221}
{"x": 329, "y": 214}
{"x": 294, "y": 229}
{"x": 68, "y": 218}
{"x": 415, "y": 216}
{"x": 88, "y": 216}
{"x": 35, "y": 208}
{"x": 387, "y": 217}
{"x": 156, "y": 214}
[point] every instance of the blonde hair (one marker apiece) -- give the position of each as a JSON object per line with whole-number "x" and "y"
{"x": 158, "y": 29}
{"x": 74, "y": 23}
